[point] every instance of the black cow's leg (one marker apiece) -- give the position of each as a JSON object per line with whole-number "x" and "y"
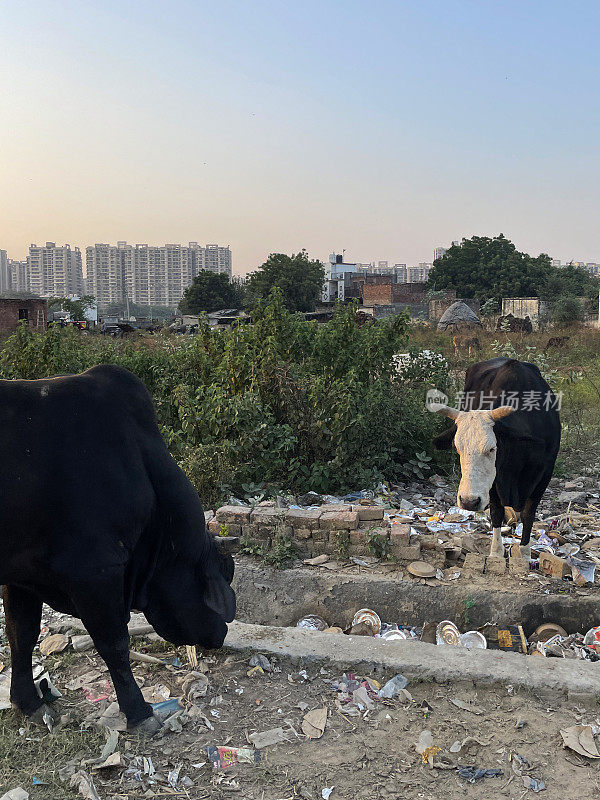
{"x": 527, "y": 518}
{"x": 23, "y": 612}
{"x": 497, "y": 517}
{"x": 106, "y": 624}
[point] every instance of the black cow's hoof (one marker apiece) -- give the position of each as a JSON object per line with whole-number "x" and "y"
{"x": 44, "y": 716}
{"x": 147, "y": 727}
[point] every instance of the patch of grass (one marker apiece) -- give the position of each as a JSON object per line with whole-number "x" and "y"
{"x": 468, "y": 603}
{"x": 40, "y": 754}
{"x": 249, "y": 547}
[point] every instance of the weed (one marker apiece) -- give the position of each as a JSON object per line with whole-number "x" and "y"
{"x": 249, "y": 547}
{"x": 378, "y": 544}
{"x": 468, "y": 603}
{"x": 342, "y": 544}
{"x": 282, "y": 553}
{"x": 223, "y": 530}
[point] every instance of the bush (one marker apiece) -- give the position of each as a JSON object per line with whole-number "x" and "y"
{"x": 283, "y": 402}
{"x": 566, "y": 311}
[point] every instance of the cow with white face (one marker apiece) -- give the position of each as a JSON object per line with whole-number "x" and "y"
{"x": 507, "y": 452}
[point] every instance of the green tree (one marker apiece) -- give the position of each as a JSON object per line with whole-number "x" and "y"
{"x": 76, "y": 308}
{"x": 210, "y": 291}
{"x": 299, "y": 278}
{"x": 570, "y": 281}
{"x": 566, "y": 311}
{"x": 490, "y": 269}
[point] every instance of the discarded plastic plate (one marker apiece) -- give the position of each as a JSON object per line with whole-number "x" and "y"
{"x": 547, "y": 630}
{"x": 473, "y": 640}
{"x": 312, "y": 623}
{"x": 394, "y": 635}
{"x": 447, "y": 633}
{"x": 369, "y": 617}
{"x": 421, "y": 569}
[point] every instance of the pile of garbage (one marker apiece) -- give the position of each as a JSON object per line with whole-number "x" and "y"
{"x": 549, "y": 639}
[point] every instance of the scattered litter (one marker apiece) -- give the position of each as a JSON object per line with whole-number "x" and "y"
{"x": 326, "y": 793}
{"x": 312, "y": 623}
{"x": 393, "y": 687}
{"x": 194, "y": 686}
{"x": 467, "y": 744}
{"x": 113, "y": 760}
{"x": 259, "y": 660}
{"x": 466, "y": 706}
{"x": 472, "y": 774}
{"x": 16, "y": 794}
{"x": 425, "y": 741}
{"x": 223, "y": 757}
{"x": 156, "y": 694}
{"x": 85, "y": 785}
{"x": 580, "y": 738}
{"x": 166, "y": 706}
{"x": 314, "y": 723}
{"x": 317, "y": 560}
{"x": 447, "y": 633}
{"x": 54, "y": 644}
{"x": 366, "y": 616}
{"x": 83, "y": 680}
{"x": 268, "y": 738}
{"x": 111, "y": 745}
{"x": 534, "y": 784}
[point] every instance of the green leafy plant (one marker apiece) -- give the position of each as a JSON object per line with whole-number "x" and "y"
{"x": 223, "y": 530}
{"x": 283, "y": 551}
{"x": 342, "y": 545}
{"x": 378, "y": 544}
{"x": 249, "y": 547}
{"x": 468, "y": 603}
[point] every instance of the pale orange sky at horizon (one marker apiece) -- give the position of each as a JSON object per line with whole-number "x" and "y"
{"x": 385, "y": 130}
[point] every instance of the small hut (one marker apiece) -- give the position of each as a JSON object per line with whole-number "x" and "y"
{"x": 458, "y": 316}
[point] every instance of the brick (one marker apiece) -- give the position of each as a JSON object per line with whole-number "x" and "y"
{"x": 236, "y": 514}
{"x": 359, "y": 549}
{"x": 339, "y": 520}
{"x": 268, "y": 516}
{"x": 428, "y": 541}
{"x": 320, "y": 535}
{"x": 283, "y": 530}
{"x": 303, "y": 517}
{"x": 407, "y": 553}
{"x": 337, "y": 507}
{"x": 518, "y": 567}
{"x": 400, "y": 535}
{"x": 367, "y": 513}
{"x": 357, "y": 537}
{"x": 435, "y": 557}
{"x": 474, "y": 564}
{"x": 214, "y": 526}
{"x": 495, "y": 565}
{"x": 302, "y": 533}
{"x": 335, "y": 536}
{"x": 208, "y": 515}
{"x": 382, "y": 532}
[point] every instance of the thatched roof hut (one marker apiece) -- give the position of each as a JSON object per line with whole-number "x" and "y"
{"x": 456, "y": 316}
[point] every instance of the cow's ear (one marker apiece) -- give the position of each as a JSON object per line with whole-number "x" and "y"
{"x": 444, "y": 440}
{"x": 219, "y": 596}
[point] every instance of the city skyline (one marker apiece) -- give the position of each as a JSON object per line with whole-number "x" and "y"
{"x": 342, "y": 125}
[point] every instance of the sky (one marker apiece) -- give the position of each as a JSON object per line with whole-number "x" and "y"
{"x": 382, "y": 128}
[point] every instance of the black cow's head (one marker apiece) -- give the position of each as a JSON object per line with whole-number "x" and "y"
{"x": 190, "y": 602}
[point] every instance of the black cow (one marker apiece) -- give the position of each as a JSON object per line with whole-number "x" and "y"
{"x": 97, "y": 519}
{"x": 507, "y": 444}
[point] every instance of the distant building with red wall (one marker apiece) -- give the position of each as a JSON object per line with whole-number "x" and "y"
{"x": 15, "y": 310}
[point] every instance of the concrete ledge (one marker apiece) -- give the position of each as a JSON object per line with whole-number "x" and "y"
{"x": 270, "y": 596}
{"x": 421, "y": 662}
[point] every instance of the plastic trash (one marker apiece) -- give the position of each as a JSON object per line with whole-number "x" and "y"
{"x": 311, "y": 622}
{"x": 223, "y": 757}
{"x": 393, "y": 687}
{"x": 472, "y": 774}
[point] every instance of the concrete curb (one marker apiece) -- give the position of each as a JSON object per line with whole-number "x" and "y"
{"x": 421, "y": 662}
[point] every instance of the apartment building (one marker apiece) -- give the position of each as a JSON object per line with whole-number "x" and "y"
{"x": 5, "y": 281}
{"x": 18, "y": 275}
{"x": 55, "y": 271}
{"x": 147, "y": 274}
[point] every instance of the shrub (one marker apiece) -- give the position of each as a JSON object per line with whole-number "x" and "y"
{"x": 282, "y": 403}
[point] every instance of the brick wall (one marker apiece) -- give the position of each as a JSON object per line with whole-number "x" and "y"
{"x": 338, "y": 529}
{"x": 377, "y": 294}
{"x": 12, "y": 310}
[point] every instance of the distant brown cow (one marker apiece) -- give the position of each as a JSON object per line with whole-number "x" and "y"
{"x": 557, "y": 341}
{"x": 465, "y": 343}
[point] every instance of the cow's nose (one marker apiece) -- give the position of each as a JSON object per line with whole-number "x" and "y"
{"x": 469, "y": 502}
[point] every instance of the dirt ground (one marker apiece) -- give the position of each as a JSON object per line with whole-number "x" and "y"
{"x": 362, "y": 757}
